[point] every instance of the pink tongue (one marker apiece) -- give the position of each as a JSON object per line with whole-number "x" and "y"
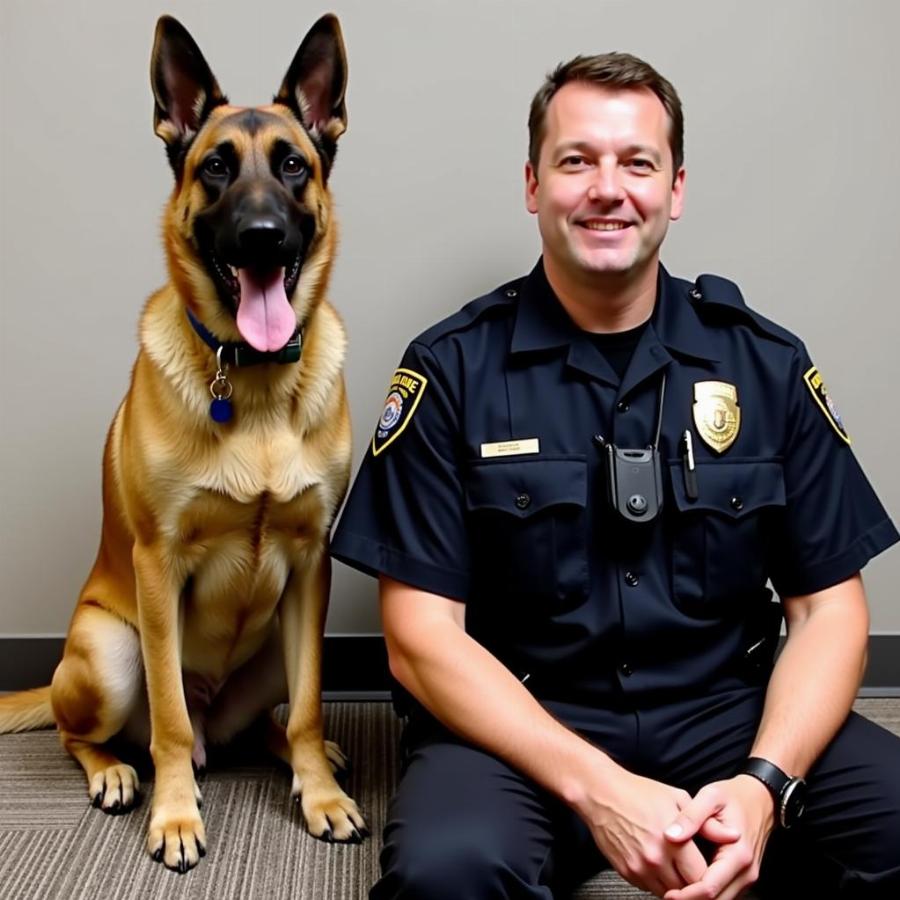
{"x": 265, "y": 318}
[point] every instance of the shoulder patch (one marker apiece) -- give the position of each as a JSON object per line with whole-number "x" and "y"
{"x": 820, "y": 394}
{"x": 403, "y": 397}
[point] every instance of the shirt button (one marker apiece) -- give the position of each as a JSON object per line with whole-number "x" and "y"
{"x": 622, "y": 406}
{"x": 625, "y": 669}
{"x": 523, "y": 501}
{"x": 695, "y": 294}
{"x": 631, "y": 579}
{"x": 737, "y": 504}
{"x": 512, "y": 292}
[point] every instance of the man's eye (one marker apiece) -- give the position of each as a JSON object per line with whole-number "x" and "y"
{"x": 644, "y": 165}
{"x": 215, "y": 166}
{"x": 573, "y": 162}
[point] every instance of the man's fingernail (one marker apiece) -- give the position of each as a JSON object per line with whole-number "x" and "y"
{"x": 674, "y": 831}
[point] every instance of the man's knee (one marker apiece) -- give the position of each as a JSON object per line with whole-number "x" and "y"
{"x": 850, "y": 835}
{"x": 875, "y": 872}
{"x": 447, "y": 863}
{"x": 868, "y": 810}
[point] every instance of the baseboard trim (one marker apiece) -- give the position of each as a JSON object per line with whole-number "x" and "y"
{"x": 355, "y": 666}
{"x": 351, "y": 664}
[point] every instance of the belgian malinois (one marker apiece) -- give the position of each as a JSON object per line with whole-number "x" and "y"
{"x": 224, "y": 466}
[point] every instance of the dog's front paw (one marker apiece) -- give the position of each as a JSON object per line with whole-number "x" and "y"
{"x": 177, "y": 838}
{"x": 330, "y": 814}
{"x": 115, "y": 789}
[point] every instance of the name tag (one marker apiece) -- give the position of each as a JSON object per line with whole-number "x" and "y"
{"x": 511, "y": 448}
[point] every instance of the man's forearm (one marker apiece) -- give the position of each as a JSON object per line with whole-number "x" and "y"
{"x": 816, "y": 677}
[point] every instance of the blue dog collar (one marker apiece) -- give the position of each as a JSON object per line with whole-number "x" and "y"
{"x": 241, "y": 354}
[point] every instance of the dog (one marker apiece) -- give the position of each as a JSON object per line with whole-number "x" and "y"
{"x": 224, "y": 465}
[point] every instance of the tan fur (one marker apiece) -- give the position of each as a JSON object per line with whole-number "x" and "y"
{"x": 26, "y": 711}
{"x": 214, "y": 546}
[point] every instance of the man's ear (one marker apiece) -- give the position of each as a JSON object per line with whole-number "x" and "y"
{"x": 531, "y": 186}
{"x": 185, "y": 91}
{"x": 678, "y": 195}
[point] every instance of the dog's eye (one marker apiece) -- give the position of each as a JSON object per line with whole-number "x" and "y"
{"x": 293, "y": 165}
{"x": 215, "y": 166}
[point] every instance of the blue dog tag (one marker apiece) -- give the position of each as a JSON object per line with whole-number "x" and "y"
{"x": 220, "y": 410}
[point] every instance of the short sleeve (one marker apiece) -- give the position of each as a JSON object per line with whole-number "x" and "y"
{"x": 405, "y": 514}
{"x": 834, "y": 523}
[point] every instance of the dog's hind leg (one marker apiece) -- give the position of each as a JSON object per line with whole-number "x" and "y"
{"x": 95, "y": 688}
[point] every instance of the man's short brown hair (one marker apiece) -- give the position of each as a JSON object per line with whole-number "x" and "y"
{"x": 609, "y": 70}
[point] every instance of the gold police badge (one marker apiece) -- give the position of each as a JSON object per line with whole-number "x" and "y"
{"x": 716, "y": 413}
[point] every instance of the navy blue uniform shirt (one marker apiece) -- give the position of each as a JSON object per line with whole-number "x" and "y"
{"x": 484, "y": 483}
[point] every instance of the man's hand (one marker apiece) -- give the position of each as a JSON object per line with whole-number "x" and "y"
{"x": 627, "y": 822}
{"x": 741, "y": 807}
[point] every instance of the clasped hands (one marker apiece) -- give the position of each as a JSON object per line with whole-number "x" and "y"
{"x": 646, "y": 830}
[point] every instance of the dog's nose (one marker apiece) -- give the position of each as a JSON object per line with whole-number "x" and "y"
{"x": 261, "y": 238}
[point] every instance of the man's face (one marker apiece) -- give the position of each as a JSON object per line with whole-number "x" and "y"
{"x": 604, "y": 191}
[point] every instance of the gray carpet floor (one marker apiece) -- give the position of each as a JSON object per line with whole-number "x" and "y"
{"x": 54, "y": 845}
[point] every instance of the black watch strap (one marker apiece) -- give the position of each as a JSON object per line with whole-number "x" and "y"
{"x": 769, "y": 774}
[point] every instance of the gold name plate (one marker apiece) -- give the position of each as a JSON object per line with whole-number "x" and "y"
{"x": 511, "y": 448}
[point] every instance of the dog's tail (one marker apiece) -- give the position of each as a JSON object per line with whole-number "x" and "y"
{"x": 26, "y": 711}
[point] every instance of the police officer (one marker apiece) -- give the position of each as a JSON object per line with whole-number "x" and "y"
{"x": 575, "y": 496}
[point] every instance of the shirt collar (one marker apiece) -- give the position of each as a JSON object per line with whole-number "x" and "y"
{"x": 676, "y": 322}
{"x": 542, "y": 323}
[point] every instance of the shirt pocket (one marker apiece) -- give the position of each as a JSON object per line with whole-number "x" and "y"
{"x": 528, "y": 527}
{"x": 721, "y": 542}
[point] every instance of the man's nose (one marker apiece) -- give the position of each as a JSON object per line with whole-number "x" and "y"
{"x": 606, "y": 184}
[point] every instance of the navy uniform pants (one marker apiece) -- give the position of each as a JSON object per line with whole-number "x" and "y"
{"x": 465, "y": 826}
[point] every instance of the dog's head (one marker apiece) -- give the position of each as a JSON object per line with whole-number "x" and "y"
{"x": 249, "y": 229}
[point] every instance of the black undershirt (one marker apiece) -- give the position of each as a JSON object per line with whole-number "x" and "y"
{"x": 617, "y": 347}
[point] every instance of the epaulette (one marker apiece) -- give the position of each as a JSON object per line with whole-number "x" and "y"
{"x": 501, "y": 297}
{"x": 713, "y": 291}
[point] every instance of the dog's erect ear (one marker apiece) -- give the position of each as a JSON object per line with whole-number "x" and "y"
{"x": 184, "y": 88}
{"x": 316, "y": 81}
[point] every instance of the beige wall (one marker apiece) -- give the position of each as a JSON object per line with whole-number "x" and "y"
{"x": 793, "y": 133}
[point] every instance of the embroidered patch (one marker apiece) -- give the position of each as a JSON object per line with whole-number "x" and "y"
{"x": 820, "y": 394}
{"x": 403, "y": 397}
{"x": 717, "y": 415}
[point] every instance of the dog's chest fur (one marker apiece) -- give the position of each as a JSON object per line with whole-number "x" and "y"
{"x": 245, "y": 514}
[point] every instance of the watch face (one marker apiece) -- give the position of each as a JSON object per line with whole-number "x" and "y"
{"x": 793, "y": 802}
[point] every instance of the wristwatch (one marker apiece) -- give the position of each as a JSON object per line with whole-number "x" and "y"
{"x": 789, "y": 793}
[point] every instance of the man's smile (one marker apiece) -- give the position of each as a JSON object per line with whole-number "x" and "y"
{"x": 604, "y": 225}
